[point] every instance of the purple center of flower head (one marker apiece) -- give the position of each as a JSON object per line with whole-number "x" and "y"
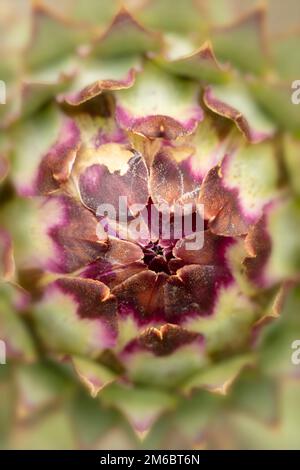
{"x": 159, "y": 253}
{"x": 161, "y": 231}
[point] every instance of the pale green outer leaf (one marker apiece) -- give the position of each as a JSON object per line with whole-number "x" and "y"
{"x": 241, "y": 44}
{"x": 238, "y": 96}
{"x": 12, "y": 327}
{"x": 63, "y": 331}
{"x": 92, "y": 374}
{"x": 52, "y": 432}
{"x": 283, "y": 226}
{"x": 286, "y": 56}
{"x": 253, "y": 172}
{"x": 219, "y": 377}
{"x": 292, "y": 161}
{"x": 39, "y": 385}
{"x": 33, "y": 138}
{"x": 229, "y": 326}
{"x": 157, "y": 93}
{"x": 275, "y": 99}
{"x": 166, "y": 372}
{"x": 246, "y": 432}
{"x": 162, "y": 15}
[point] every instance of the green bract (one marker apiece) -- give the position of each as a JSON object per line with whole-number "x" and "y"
{"x": 116, "y": 335}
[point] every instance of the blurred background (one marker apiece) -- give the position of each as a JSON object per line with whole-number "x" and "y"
{"x": 42, "y": 403}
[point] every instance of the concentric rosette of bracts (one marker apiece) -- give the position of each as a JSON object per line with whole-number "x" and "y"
{"x": 154, "y": 314}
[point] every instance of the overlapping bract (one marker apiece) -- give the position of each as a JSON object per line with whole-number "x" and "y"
{"x": 132, "y": 102}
